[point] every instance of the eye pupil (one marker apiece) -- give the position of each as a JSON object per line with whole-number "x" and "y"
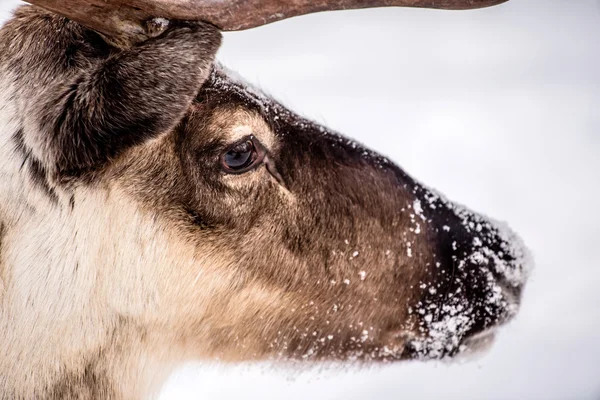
{"x": 239, "y": 156}
{"x": 243, "y": 156}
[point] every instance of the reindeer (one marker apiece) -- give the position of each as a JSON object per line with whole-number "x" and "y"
{"x": 155, "y": 209}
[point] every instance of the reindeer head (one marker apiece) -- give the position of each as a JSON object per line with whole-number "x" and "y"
{"x": 314, "y": 246}
{"x": 175, "y": 210}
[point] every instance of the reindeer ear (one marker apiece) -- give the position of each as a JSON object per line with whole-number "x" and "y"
{"x": 99, "y": 101}
{"x": 134, "y": 95}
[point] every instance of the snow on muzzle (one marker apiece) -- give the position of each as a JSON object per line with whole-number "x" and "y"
{"x": 480, "y": 270}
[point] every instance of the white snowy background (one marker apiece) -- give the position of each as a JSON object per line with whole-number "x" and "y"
{"x": 500, "y": 110}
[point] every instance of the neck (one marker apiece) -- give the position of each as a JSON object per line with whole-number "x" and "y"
{"x": 75, "y": 364}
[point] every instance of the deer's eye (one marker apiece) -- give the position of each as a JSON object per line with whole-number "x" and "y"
{"x": 243, "y": 156}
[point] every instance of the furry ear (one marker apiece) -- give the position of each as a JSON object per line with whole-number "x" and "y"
{"x": 86, "y": 101}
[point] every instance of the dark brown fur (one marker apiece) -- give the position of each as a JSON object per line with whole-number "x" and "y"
{"x": 105, "y": 100}
{"x": 87, "y": 385}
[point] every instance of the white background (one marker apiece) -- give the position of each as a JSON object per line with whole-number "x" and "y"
{"x": 500, "y": 110}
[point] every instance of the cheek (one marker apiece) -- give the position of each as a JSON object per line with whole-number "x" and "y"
{"x": 241, "y": 322}
{"x": 255, "y": 205}
{"x": 249, "y": 184}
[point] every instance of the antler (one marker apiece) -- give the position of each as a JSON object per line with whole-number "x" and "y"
{"x": 118, "y": 17}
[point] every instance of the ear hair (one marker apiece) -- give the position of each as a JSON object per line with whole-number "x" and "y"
{"x": 91, "y": 101}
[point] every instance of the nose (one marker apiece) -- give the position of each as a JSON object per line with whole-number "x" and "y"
{"x": 481, "y": 267}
